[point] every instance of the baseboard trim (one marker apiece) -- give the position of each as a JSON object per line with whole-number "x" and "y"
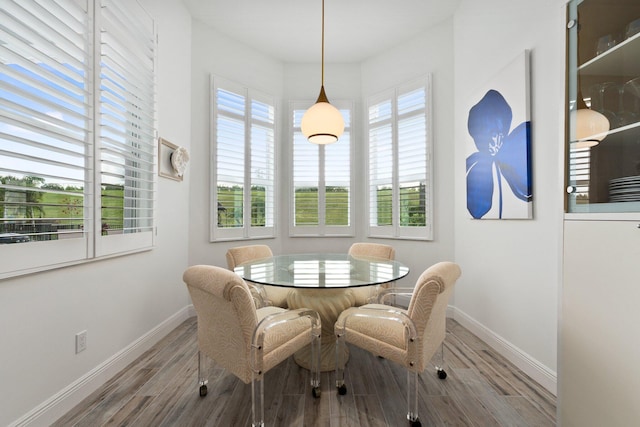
{"x": 63, "y": 401}
{"x": 536, "y": 370}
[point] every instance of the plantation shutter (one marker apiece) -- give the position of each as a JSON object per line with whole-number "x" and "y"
{"x": 77, "y": 131}
{"x": 244, "y": 163}
{"x": 45, "y": 121}
{"x": 338, "y": 178}
{"x": 380, "y": 164}
{"x": 229, "y": 159}
{"x": 400, "y": 163}
{"x": 322, "y": 176}
{"x": 412, "y": 158}
{"x": 263, "y": 168}
{"x": 306, "y": 177}
{"x": 127, "y": 138}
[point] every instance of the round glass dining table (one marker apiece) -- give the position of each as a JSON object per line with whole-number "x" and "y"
{"x": 321, "y": 282}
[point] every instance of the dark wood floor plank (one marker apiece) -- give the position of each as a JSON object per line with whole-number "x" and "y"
{"x": 477, "y": 413}
{"x": 112, "y": 402}
{"x": 519, "y": 382}
{"x": 392, "y": 391}
{"x": 285, "y": 379}
{"x": 475, "y": 360}
{"x": 447, "y": 411}
{"x": 293, "y": 411}
{"x": 174, "y": 367}
{"x": 317, "y": 411}
{"x": 369, "y": 411}
{"x": 161, "y": 389}
{"x": 529, "y": 412}
{"x": 343, "y": 408}
{"x": 492, "y": 400}
{"x": 162, "y": 406}
{"x": 130, "y": 411}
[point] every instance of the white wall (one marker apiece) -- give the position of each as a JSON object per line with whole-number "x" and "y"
{"x": 428, "y": 53}
{"x": 214, "y": 53}
{"x": 511, "y": 268}
{"x": 117, "y": 301}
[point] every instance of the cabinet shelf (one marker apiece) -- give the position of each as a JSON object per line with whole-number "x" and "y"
{"x": 621, "y": 129}
{"x": 621, "y": 60}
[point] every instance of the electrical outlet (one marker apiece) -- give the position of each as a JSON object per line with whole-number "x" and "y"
{"x": 81, "y": 341}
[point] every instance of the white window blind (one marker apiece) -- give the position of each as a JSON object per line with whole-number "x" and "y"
{"x": 580, "y": 172}
{"x": 400, "y": 162}
{"x": 321, "y": 180}
{"x": 50, "y": 57}
{"x": 127, "y": 127}
{"x": 243, "y": 178}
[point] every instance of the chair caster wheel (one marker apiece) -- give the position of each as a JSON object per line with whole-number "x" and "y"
{"x": 342, "y": 390}
{"x": 316, "y": 392}
{"x": 415, "y": 423}
{"x": 203, "y": 390}
{"x": 442, "y": 374}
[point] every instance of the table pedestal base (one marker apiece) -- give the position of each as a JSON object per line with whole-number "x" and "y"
{"x": 329, "y": 303}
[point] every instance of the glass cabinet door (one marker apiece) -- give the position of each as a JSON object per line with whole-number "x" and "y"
{"x": 603, "y": 114}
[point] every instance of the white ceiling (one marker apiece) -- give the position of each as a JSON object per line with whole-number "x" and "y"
{"x": 290, "y": 30}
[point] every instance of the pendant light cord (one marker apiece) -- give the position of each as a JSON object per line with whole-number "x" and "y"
{"x": 322, "y": 63}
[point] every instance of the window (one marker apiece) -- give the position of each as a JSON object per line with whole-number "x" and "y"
{"x": 400, "y": 167}
{"x": 243, "y": 143}
{"x": 321, "y": 196}
{"x": 77, "y": 132}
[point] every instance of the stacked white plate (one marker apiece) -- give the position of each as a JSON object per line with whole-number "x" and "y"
{"x": 625, "y": 189}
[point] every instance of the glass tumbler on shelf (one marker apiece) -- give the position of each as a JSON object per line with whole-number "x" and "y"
{"x": 605, "y": 43}
{"x": 633, "y": 28}
{"x": 605, "y": 99}
{"x": 630, "y": 101}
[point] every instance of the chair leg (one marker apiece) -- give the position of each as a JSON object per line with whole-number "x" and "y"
{"x": 257, "y": 384}
{"x": 442, "y": 374}
{"x": 340, "y": 362}
{"x": 202, "y": 381}
{"x": 315, "y": 363}
{"x": 257, "y": 400}
{"x": 412, "y": 397}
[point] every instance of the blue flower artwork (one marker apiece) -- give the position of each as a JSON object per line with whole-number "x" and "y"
{"x": 502, "y": 153}
{"x": 499, "y": 171}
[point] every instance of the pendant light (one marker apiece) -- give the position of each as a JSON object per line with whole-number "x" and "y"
{"x": 591, "y": 125}
{"x": 322, "y": 123}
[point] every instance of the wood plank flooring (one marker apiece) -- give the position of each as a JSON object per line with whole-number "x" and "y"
{"x": 160, "y": 389}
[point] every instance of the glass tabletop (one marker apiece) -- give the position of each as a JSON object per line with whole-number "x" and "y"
{"x": 321, "y": 271}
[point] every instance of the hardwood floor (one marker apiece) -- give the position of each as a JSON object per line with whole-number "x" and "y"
{"x": 160, "y": 389}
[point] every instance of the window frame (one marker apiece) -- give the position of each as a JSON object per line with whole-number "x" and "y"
{"x": 396, "y": 230}
{"x": 322, "y": 229}
{"x": 93, "y": 244}
{"x": 246, "y": 231}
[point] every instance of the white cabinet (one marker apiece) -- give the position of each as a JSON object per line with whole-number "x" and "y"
{"x": 603, "y": 166}
{"x": 599, "y": 351}
{"x": 599, "y": 332}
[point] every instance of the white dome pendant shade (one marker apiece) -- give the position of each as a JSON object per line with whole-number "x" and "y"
{"x": 591, "y": 127}
{"x": 322, "y": 123}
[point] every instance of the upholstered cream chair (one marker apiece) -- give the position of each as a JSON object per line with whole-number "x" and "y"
{"x": 408, "y": 337}
{"x": 365, "y": 294}
{"x": 245, "y": 340}
{"x": 270, "y": 295}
